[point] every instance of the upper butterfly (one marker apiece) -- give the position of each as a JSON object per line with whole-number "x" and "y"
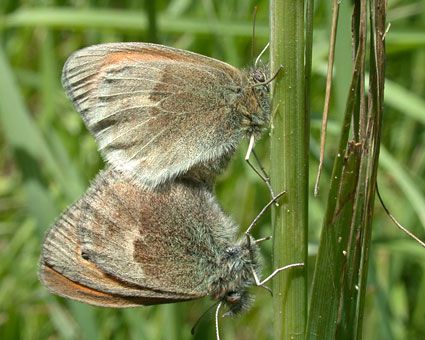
{"x": 161, "y": 112}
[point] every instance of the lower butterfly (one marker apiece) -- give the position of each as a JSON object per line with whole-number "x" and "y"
{"x": 121, "y": 245}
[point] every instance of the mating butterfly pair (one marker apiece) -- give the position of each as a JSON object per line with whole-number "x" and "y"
{"x": 149, "y": 230}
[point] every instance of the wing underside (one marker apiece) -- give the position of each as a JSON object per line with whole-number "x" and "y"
{"x": 156, "y": 110}
{"x": 121, "y": 246}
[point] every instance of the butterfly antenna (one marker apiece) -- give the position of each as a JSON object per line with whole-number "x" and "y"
{"x": 192, "y": 331}
{"x": 260, "y": 55}
{"x": 216, "y": 321}
{"x": 253, "y": 34}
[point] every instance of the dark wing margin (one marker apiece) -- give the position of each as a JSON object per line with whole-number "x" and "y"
{"x": 155, "y": 110}
{"x": 62, "y": 286}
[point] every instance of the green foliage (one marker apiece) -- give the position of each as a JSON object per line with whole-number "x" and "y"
{"x": 47, "y": 159}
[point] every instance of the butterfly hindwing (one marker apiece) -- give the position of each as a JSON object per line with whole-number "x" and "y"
{"x": 162, "y": 238}
{"x": 61, "y": 285}
{"x": 121, "y": 245}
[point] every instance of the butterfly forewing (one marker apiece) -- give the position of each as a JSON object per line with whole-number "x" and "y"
{"x": 156, "y": 110}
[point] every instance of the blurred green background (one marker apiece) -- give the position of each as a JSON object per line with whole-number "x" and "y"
{"x": 47, "y": 159}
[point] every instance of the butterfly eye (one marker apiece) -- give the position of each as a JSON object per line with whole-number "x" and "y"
{"x": 233, "y": 298}
{"x": 259, "y": 77}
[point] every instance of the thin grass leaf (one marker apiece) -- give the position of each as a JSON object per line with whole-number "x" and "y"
{"x": 84, "y": 316}
{"x": 405, "y": 182}
{"x": 398, "y": 97}
{"x": 62, "y": 321}
{"x": 125, "y": 20}
{"x": 335, "y": 12}
{"x": 405, "y": 101}
{"x": 371, "y": 145}
{"x": 330, "y": 263}
{"x": 23, "y": 134}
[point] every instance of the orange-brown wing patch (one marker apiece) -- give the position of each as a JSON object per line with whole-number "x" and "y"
{"x": 145, "y": 55}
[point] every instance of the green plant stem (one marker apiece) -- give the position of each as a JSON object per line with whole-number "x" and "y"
{"x": 289, "y": 167}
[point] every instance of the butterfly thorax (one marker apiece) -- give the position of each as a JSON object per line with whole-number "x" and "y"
{"x": 235, "y": 275}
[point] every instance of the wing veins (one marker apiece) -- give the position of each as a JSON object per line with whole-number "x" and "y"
{"x": 147, "y": 144}
{"x": 123, "y": 93}
{"x": 125, "y": 132}
{"x": 119, "y": 111}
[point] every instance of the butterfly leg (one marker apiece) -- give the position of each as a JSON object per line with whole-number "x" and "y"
{"x": 273, "y": 200}
{"x": 263, "y": 175}
{"x": 261, "y": 283}
{"x": 263, "y": 239}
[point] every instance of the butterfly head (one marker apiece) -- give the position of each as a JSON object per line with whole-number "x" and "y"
{"x": 259, "y": 77}
{"x": 260, "y": 82}
{"x": 237, "y": 264}
{"x": 255, "y": 104}
{"x": 237, "y": 302}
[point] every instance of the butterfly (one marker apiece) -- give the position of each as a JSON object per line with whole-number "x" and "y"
{"x": 122, "y": 245}
{"x": 149, "y": 229}
{"x": 159, "y": 112}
